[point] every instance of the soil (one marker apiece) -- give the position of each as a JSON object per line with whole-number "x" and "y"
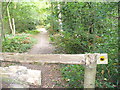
{"x": 51, "y": 75}
{"x": 43, "y": 46}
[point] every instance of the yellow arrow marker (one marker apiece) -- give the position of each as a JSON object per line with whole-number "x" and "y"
{"x": 102, "y": 58}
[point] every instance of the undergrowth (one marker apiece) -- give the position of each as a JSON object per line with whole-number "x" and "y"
{"x": 33, "y": 32}
{"x": 87, "y": 28}
{"x": 73, "y": 75}
{"x": 19, "y": 43}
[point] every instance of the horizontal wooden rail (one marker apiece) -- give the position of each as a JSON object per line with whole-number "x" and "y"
{"x": 53, "y": 58}
{"x": 45, "y": 58}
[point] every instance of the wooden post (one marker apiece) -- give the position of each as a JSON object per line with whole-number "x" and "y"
{"x": 90, "y": 71}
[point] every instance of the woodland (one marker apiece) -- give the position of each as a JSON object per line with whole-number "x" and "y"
{"x": 73, "y": 27}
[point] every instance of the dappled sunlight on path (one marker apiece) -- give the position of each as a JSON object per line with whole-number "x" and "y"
{"x": 43, "y": 46}
{"x": 42, "y": 30}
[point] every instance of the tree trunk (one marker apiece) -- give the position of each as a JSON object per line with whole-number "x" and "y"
{"x": 1, "y": 28}
{"x": 9, "y": 18}
{"x": 59, "y": 16}
{"x": 13, "y": 22}
{"x": 52, "y": 24}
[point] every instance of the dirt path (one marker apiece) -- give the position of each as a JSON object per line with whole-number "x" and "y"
{"x": 51, "y": 75}
{"x": 43, "y": 46}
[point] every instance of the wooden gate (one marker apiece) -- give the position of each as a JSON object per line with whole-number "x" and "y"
{"x": 89, "y": 60}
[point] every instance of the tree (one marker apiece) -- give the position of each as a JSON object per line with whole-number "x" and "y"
{"x": 23, "y": 15}
{"x": 0, "y": 27}
{"x": 90, "y": 28}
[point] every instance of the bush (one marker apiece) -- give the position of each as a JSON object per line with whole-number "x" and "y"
{"x": 33, "y": 32}
{"x": 72, "y": 43}
{"x": 19, "y": 43}
{"x": 73, "y": 75}
{"x": 89, "y": 30}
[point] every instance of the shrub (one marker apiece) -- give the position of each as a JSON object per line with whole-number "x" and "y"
{"x": 73, "y": 75}
{"x": 19, "y": 43}
{"x": 33, "y": 32}
{"x": 89, "y": 28}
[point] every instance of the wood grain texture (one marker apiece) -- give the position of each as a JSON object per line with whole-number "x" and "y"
{"x": 86, "y": 59}
{"x": 45, "y": 58}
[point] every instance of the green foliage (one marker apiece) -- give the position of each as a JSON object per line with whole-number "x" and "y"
{"x": 52, "y": 23}
{"x": 73, "y": 75}
{"x": 19, "y": 43}
{"x": 27, "y": 15}
{"x": 89, "y": 28}
{"x": 33, "y": 32}
{"x": 73, "y": 43}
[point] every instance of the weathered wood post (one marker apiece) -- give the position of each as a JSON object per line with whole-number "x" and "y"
{"x": 90, "y": 69}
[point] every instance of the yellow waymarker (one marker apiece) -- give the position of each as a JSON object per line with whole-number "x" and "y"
{"x": 102, "y": 58}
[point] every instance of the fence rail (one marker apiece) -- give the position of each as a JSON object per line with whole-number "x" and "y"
{"x": 89, "y": 60}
